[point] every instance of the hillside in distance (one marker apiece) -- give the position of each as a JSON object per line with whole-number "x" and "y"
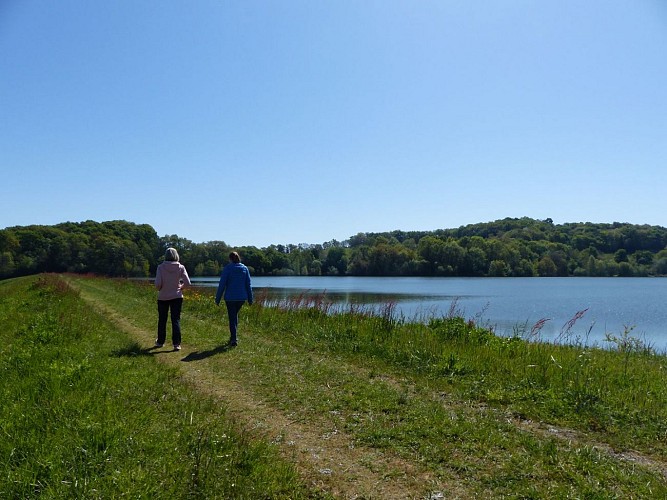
{"x": 505, "y": 247}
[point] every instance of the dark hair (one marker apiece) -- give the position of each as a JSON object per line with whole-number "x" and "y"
{"x": 235, "y": 257}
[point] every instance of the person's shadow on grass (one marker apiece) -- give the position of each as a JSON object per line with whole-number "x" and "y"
{"x": 198, "y": 356}
{"x": 134, "y": 349}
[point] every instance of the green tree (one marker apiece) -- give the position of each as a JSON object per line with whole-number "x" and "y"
{"x": 475, "y": 262}
{"x": 593, "y": 267}
{"x": 560, "y": 259}
{"x": 499, "y": 268}
{"x": 660, "y": 267}
{"x": 452, "y": 255}
{"x": 389, "y": 259}
{"x": 546, "y": 267}
{"x": 621, "y": 255}
{"x": 9, "y": 242}
{"x": 643, "y": 258}
{"x": 7, "y": 266}
{"x": 255, "y": 259}
{"x": 335, "y": 261}
{"x": 431, "y": 250}
{"x": 315, "y": 268}
{"x": 523, "y": 269}
{"x": 625, "y": 269}
{"x": 359, "y": 261}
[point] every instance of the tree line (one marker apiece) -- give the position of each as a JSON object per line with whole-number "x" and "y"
{"x": 508, "y": 247}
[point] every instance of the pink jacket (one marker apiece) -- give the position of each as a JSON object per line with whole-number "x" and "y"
{"x": 170, "y": 279}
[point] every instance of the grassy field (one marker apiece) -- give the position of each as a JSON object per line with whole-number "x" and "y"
{"x": 84, "y": 416}
{"x": 314, "y": 403}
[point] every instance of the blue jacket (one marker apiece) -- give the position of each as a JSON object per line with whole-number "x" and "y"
{"x": 234, "y": 283}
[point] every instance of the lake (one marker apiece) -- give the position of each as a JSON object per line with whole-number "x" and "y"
{"x": 504, "y": 304}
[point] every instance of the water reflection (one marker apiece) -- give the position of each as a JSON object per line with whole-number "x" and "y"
{"x": 344, "y": 297}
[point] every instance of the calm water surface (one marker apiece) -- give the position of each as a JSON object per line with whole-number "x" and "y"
{"x": 505, "y": 304}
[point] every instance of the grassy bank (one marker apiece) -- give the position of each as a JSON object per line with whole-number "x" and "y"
{"x": 84, "y": 417}
{"x": 466, "y": 413}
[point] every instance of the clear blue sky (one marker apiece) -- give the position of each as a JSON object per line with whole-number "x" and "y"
{"x": 301, "y": 121}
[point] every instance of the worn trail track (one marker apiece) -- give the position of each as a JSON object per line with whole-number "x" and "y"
{"x": 327, "y": 458}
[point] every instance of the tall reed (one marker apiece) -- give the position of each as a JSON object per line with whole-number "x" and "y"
{"x": 621, "y": 391}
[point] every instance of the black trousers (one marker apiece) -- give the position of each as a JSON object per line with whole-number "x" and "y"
{"x": 163, "y": 308}
{"x": 233, "y": 308}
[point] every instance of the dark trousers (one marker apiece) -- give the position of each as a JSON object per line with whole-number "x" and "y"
{"x": 163, "y": 307}
{"x": 233, "y": 308}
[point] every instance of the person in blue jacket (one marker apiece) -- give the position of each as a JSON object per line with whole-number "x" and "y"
{"x": 236, "y": 288}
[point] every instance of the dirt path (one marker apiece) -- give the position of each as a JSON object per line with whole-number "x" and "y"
{"x": 325, "y": 456}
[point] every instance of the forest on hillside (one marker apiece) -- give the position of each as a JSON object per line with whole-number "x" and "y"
{"x": 506, "y": 247}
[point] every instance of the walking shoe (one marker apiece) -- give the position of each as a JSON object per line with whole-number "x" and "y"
{"x": 177, "y": 347}
{"x": 157, "y": 344}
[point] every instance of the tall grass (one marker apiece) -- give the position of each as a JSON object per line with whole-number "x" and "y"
{"x": 621, "y": 391}
{"x": 615, "y": 397}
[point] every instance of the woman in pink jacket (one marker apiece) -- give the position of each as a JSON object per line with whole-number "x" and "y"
{"x": 170, "y": 279}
